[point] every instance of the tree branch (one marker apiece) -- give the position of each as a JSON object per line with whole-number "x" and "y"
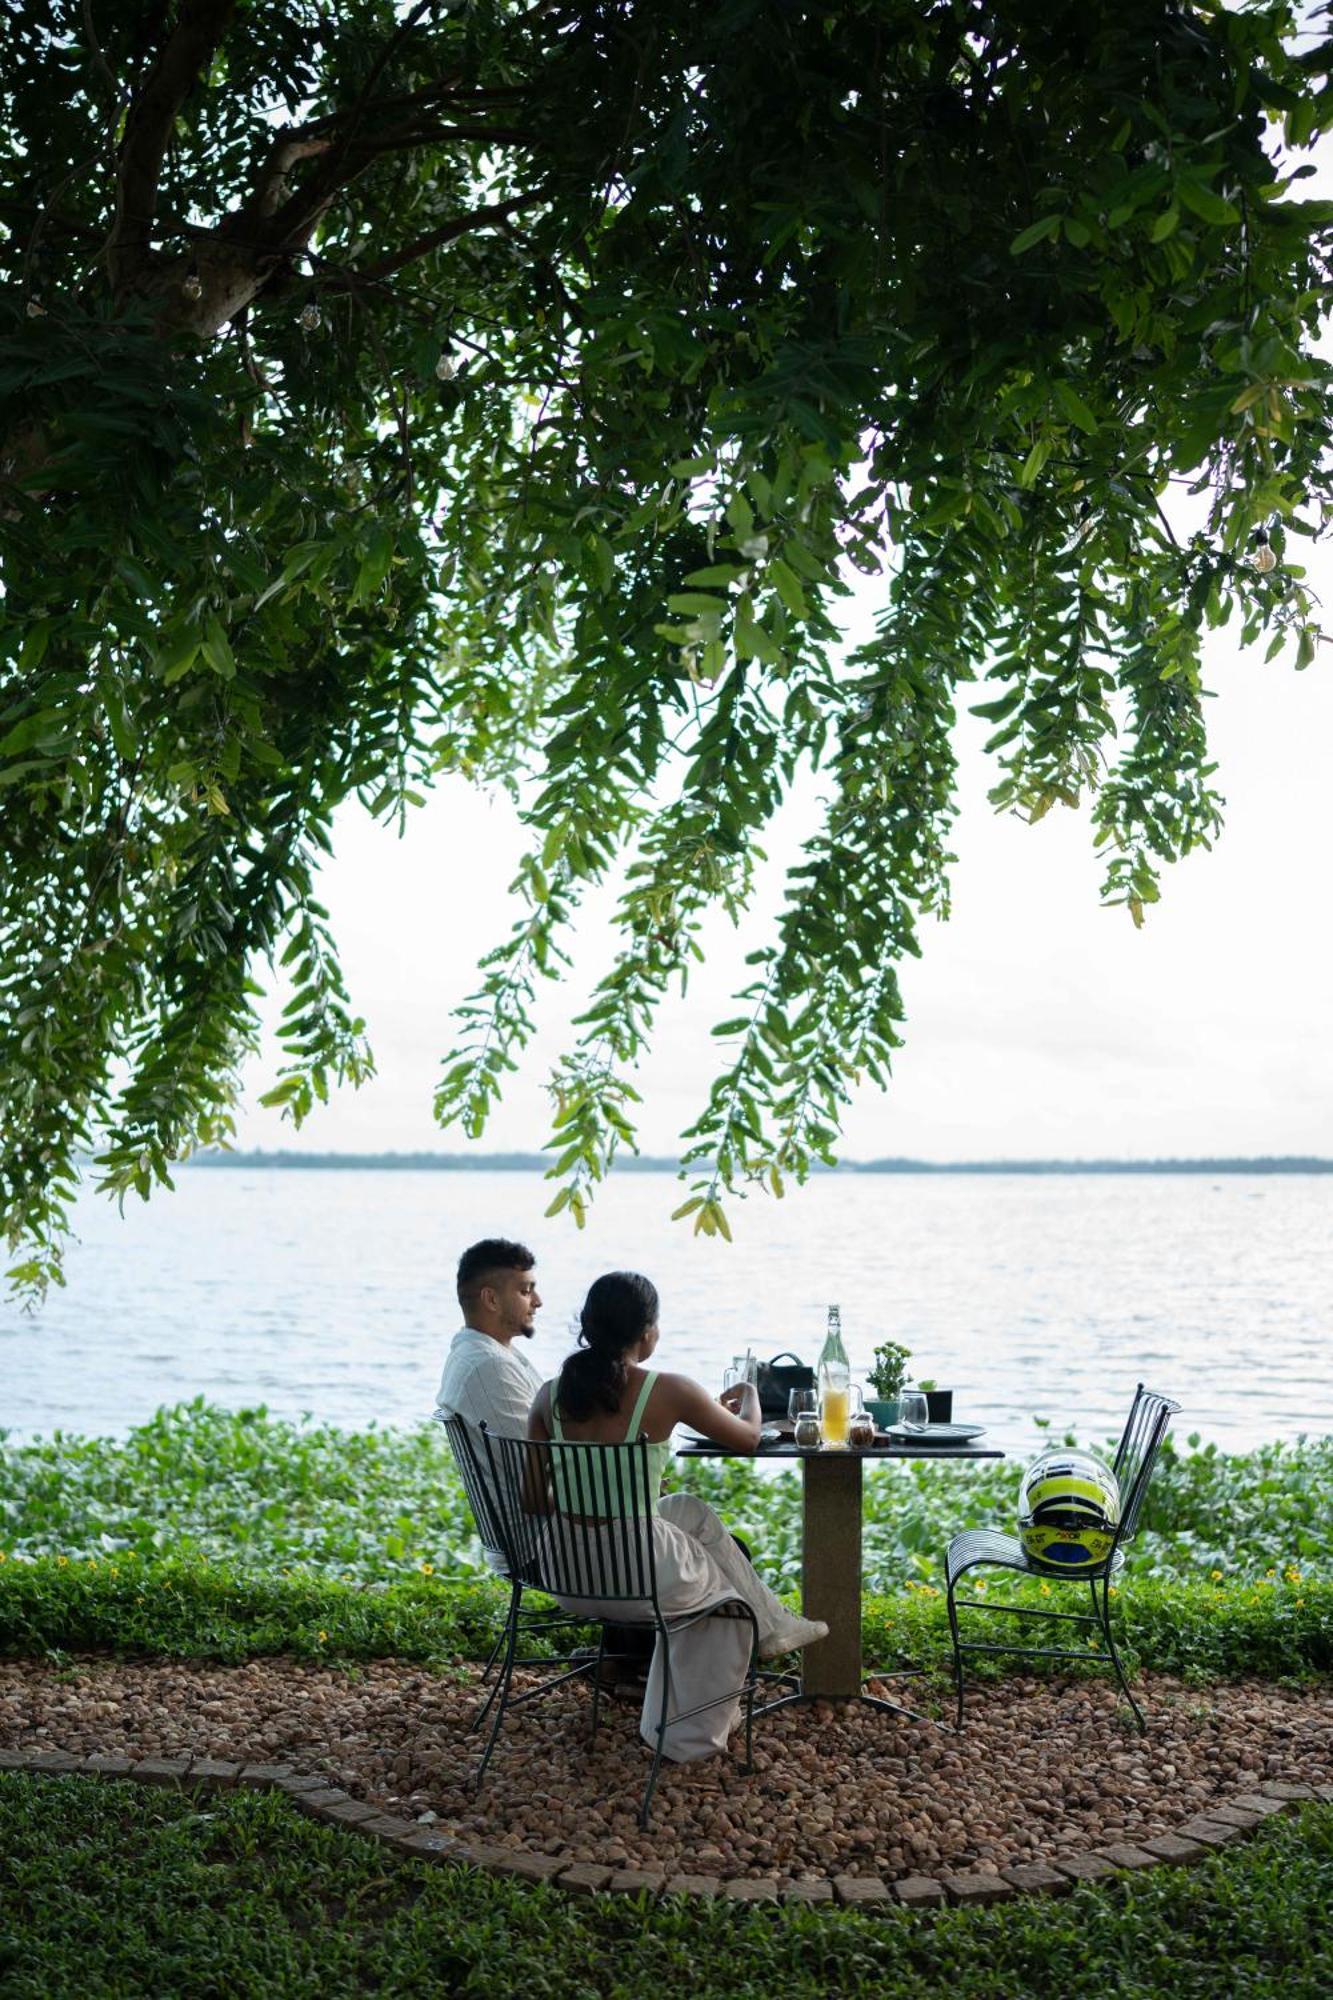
{"x": 190, "y": 47}
{"x": 438, "y": 135}
{"x": 386, "y": 55}
{"x": 271, "y": 187}
{"x": 344, "y": 161}
{"x": 435, "y": 239}
{"x": 448, "y": 92}
{"x": 99, "y": 61}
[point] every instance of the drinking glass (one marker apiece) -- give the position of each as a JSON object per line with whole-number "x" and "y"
{"x": 801, "y": 1403}
{"x": 835, "y": 1415}
{"x": 913, "y": 1410}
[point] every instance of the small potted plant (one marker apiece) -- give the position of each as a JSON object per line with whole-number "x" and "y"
{"x": 885, "y": 1375}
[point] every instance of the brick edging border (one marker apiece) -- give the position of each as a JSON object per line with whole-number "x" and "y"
{"x": 1202, "y": 1834}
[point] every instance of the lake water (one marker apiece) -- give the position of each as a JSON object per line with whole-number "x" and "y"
{"x": 332, "y": 1293}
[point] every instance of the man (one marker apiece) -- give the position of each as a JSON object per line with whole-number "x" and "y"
{"x": 487, "y": 1378}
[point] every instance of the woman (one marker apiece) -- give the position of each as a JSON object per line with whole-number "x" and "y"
{"x": 606, "y": 1394}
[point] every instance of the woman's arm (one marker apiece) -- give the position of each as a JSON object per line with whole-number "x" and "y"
{"x": 733, "y": 1421}
{"x": 536, "y": 1494}
{"x": 539, "y": 1416}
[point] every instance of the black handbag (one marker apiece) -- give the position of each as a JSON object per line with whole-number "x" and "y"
{"x": 777, "y": 1378}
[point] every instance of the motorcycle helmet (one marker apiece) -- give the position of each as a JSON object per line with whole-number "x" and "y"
{"x": 1068, "y": 1510}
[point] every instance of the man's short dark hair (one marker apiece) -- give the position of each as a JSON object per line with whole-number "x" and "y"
{"x": 482, "y": 1260}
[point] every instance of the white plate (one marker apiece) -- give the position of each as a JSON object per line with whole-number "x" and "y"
{"x": 937, "y": 1434}
{"x": 770, "y": 1434}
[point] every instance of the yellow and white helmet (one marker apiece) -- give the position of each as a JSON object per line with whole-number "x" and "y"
{"x": 1068, "y": 1510}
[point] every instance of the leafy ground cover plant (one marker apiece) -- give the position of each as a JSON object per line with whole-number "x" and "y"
{"x": 1279, "y": 1626}
{"x": 114, "y": 1891}
{"x": 370, "y": 1506}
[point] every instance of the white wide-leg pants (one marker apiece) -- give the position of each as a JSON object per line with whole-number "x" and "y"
{"x": 697, "y": 1564}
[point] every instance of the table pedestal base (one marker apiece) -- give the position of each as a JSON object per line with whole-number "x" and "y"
{"x": 803, "y": 1693}
{"x": 831, "y": 1590}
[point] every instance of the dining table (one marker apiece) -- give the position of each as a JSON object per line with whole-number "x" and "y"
{"x": 832, "y": 1482}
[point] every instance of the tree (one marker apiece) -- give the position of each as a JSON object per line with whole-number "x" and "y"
{"x": 509, "y": 389}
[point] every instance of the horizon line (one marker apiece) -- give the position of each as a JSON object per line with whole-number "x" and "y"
{"x": 522, "y": 1162}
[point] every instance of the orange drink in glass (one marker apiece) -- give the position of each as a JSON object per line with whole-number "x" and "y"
{"x": 835, "y": 1408}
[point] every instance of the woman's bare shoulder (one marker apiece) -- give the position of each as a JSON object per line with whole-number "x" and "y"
{"x": 679, "y": 1388}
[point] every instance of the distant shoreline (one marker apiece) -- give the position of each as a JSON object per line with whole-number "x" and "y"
{"x": 527, "y": 1163}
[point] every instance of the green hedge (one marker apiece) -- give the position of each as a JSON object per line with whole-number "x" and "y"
{"x": 1276, "y": 1627}
{"x": 115, "y": 1890}
{"x": 372, "y": 1505}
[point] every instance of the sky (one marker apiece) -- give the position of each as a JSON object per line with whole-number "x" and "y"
{"x": 1040, "y": 1024}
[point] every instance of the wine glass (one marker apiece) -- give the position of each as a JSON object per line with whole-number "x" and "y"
{"x": 913, "y": 1410}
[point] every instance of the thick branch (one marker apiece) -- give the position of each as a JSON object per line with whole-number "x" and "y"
{"x": 435, "y": 239}
{"x": 186, "y": 54}
{"x": 272, "y": 186}
{"x": 345, "y": 160}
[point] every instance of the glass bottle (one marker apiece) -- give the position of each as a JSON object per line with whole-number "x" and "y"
{"x": 835, "y": 1381}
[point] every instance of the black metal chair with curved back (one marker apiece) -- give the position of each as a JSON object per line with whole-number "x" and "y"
{"x": 576, "y": 1520}
{"x": 490, "y": 1530}
{"x": 978, "y": 1548}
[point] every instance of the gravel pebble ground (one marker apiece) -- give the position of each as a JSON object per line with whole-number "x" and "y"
{"x": 1044, "y": 1769}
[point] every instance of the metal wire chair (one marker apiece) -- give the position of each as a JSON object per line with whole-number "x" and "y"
{"x": 978, "y": 1548}
{"x": 481, "y": 1499}
{"x": 577, "y": 1523}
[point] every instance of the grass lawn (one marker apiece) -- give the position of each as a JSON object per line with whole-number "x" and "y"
{"x": 114, "y": 1890}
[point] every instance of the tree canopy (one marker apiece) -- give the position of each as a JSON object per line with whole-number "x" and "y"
{"x": 510, "y": 389}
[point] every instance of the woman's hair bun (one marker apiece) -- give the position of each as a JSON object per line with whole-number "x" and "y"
{"x": 618, "y": 1311}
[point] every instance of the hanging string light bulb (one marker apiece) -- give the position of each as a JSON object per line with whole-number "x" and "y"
{"x": 35, "y": 309}
{"x": 310, "y": 318}
{"x": 1263, "y": 556}
{"x": 192, "y": 285}
{"x": 446, "y": 367}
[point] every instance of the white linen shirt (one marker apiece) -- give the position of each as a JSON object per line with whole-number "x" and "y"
{"x": 487, "y": 1382}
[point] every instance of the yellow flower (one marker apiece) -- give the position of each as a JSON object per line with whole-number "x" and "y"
{"x": 981, "y": 1585}
{"x": 428, "y": 1569}
{"x": 1115, "y": 1590}
{"x": 115, "y": 1569}
{"x": 62, "y": 1562}
{"x": 322, "y": 1637}
{"x": 2, "y": 1556}
{"x": 1293, "y": 1574}
{"x": 1300, "y": 1600}
{"x": 1217, "y": 1576}
{"x": 1045, "y": 1589}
